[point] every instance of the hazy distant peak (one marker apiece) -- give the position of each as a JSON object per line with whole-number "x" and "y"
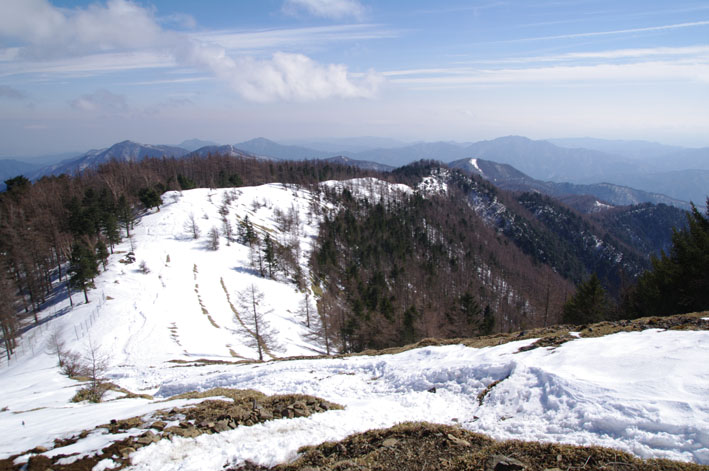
{"x": 194, "y": 144}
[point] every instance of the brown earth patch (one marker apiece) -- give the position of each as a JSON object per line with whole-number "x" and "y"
{"x": 423, "y": 446}
{"x": 233, "y": 408}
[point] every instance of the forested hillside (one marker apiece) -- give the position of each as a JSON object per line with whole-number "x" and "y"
{"x": 445, "y": 254}
{"x": 399, "y": 269}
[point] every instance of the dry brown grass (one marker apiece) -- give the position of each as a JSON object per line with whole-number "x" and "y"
{"x": 424, "y": 446}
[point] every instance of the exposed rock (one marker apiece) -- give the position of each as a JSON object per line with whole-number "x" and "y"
{"x": 458, "y": 441}
{"x": 147, "y": 438}
{"x": 390, "y": 442}
{"x": 125, "y": 452}
{"x": 221, "y": 426}
{"x": 504, "y": 463}
{"x": 158, "y": 425}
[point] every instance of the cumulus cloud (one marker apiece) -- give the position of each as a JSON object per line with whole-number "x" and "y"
{"x": 11, "y": 93}
{"x": 334, "y": 9}
{"x": 295, "y": 77}
{"x": 118, "y": 27}
{"x": 101, "y": 101}
{"x": 284, "y": 76}
{"x": 50, "y": 31}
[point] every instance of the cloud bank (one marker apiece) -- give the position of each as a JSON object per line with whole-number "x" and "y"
{"x": 52, "y": 37}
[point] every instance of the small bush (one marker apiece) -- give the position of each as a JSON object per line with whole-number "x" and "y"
{"x": 72, "y": 364}
{"x": 91, "y": 393}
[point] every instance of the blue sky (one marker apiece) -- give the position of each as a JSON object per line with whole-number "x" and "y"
{"x": 76, "y": 75}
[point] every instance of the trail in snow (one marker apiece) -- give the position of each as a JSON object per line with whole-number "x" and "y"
{"x": 643, "y": 392}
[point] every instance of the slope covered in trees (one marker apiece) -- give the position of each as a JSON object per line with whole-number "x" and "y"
{"x": 402, "y": 268}
{"x": 458, "y": 257}
{"x": 679, "y": 279}
{"x": 55, "y": 232}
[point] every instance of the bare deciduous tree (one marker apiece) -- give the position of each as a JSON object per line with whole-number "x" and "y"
{"x": 57, "y": 346}
{"x": 191, "y": 226}
{"x": 253, "y": 315}
{"x": 8, "y": 315}
{"x": 213, "y": 239}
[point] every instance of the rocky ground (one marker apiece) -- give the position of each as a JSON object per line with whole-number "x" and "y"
{"x": 225, "y": 409}
{"x": 423, "y": 446}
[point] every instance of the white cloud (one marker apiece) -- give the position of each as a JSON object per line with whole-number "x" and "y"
{"x": 334, "y": 9}
{"x": 123, "y": 35}
{"x": 641, "y": 72}
{"x": 288, "y": 77}
{"x": 91, "y": 64}
{"x": 591, "y": 34}
{"x": 700, "y": 52}
{"x": 101, "y": 101}
{"x": 53, "y": 32}
{"x": 292, "y": 37}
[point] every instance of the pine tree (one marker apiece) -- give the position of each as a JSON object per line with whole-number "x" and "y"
{"x": 101, "y": 253}
{"x": 150, "y": 198}
{"x": 17, "y": 184}
{"x": 125, "y": 214}
{"x": 269, "y": 255}
{"x": 82, "y": 269}
{"x": 469, "y": 308}
{"x": 110, "y": 230}
{"x": 488, "y": 324}
{"x": 678, "y": 282}
{"x": 247, "y": 234}
{"x": 589, "y": 304}
{"x": 408, "y": 333}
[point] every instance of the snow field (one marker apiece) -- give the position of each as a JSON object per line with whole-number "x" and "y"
{"x": 646, "y": 394}
{"x": 643, "y": 392}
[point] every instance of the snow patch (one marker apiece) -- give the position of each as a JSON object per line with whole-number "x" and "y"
{"x": 476, "y": 167}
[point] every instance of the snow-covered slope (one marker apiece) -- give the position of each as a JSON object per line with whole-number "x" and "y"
{"x": 643, "y": 392}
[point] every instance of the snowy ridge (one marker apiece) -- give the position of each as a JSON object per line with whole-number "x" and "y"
{"x": 435, "y": 184}
{"x": 643, "y": 392}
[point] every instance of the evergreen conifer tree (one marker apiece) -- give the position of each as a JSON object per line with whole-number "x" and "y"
{"x": 589, "y": 304}
{"x": 83, "y": 268}
{"x": 678, "y": 281}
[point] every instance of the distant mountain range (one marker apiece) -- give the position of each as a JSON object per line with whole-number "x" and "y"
{"x": 194, "y": 144}
{"x": 628, "y": 149}
{"x": 363, "y": 164}
{"x": 227, "y": 150}
{"x": 10, "y": 168}
{"x": 124, "y": 151}
{"x": 509, "y": 178}
{"x": 608, "y": 169}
